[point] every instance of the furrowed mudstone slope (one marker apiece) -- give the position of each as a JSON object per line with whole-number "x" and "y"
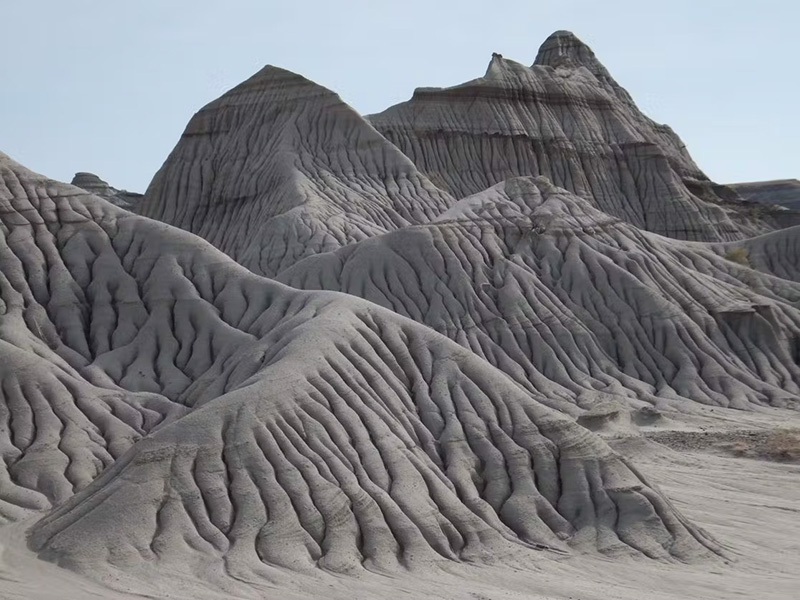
{"x": 364, "y": 442}
{"x": 65, "y": 303}
{"x": 582, "y": 307}
{"x": 564, "y": 118}
{"x": 277, "y": 429}
{"x": 279, "y": 168}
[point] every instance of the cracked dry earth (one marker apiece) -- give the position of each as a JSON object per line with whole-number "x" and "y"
{"x": 502, "y": 341}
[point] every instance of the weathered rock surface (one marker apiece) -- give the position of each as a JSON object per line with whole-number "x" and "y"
{"x": 564, "y": 118}
{"x": 94, "y": 185}
{"x": 243, "y": 428}
{"x": 578, "y": 305}
{"x": 280, "y": 168}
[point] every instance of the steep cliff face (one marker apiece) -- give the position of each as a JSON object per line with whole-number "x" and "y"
{"x": 279, "y": 168}
{"x": 564, "y": 118}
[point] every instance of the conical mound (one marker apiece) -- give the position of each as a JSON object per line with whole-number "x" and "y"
{"x": 279, "y": 168}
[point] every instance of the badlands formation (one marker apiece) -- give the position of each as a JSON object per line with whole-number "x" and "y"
{"x": 504, "y": 340}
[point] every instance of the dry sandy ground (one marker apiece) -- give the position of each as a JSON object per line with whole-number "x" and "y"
{"x": 750, "y": 505}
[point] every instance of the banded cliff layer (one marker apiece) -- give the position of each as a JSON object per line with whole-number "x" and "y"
{"x": 564, "y": 118}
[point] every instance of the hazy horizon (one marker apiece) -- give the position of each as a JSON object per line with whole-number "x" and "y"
{"x": 109, "y": 88}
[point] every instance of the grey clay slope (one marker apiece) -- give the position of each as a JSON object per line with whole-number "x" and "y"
{"x": 253, "y": 427}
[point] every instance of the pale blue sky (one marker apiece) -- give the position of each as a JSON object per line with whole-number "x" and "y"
{"x": 108, "y": 86}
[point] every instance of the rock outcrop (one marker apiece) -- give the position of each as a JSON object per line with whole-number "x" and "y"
{"x": 94, "y": 185}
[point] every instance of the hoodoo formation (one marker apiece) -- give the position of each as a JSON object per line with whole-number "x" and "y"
{"x": 505, "y": 339}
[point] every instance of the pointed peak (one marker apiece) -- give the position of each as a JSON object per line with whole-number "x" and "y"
{"x": 269, "y": 85}
{"x": 501, "y": 68}
{"x": 276, "y": 79}
{"x": 564, "y": 48}
{"x": 279, "y": 74}
{"x": 497, "y": 63}
{"x": 566, "y": 41}
{"x": 266, "y": 90}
